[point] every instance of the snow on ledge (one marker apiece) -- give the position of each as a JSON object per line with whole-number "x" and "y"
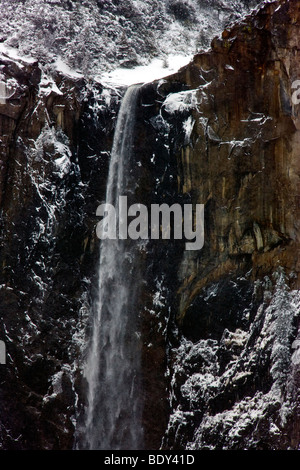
{"x": 155, "y": 70}
{"x": 62, "y": 67}
{"x": 14, "y": 54}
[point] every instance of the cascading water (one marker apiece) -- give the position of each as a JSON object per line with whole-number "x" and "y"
{"x": 114, "y": 411}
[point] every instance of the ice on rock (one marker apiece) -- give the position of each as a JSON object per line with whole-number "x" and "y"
{"x": 188, "y": 126}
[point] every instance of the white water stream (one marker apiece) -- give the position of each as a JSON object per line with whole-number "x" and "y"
{"x": 114, "y": 412}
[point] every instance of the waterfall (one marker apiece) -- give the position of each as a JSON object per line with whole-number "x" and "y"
{"x": 114, "y": 410}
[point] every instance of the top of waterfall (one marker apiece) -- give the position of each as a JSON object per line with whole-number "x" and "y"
{"x": 156, "y": 69}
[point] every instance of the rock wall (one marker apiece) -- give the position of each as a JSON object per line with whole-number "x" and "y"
{"x": 233, "y": 130}
{"x": 52, "y": 178}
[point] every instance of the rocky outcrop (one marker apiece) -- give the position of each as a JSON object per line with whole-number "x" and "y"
{"x": 52, "y": 178}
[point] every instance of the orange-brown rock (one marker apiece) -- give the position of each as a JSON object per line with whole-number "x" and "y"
{"x": 227, "y": 136}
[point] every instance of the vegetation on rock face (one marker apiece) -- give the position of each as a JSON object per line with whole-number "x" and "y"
{"x": 101, "y": 34}
{"x": 182, "y": 10}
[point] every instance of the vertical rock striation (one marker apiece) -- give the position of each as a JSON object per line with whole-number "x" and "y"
{"x": 233, "y": 137}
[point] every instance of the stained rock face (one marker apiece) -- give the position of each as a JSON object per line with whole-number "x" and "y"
{"x": 233, "y": 130}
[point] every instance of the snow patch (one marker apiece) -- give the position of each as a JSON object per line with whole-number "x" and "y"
{"x": 64, "y": 164}
{"x": 48, "y": 86}
{"x": 62, "y": 67}
{"x": 155, "y": 70}
{"x": 180, "y": 102}
{"x": 14, "y": 54}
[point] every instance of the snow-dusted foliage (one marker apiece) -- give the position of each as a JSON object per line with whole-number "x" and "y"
{"x": 230, "y": 405}
{"x": 96, "y": 35}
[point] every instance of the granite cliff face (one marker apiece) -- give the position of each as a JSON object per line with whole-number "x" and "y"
{"x": 233, "y": 131}
{"x": 51, "y": 130}
{"x": 219, "y": 325}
